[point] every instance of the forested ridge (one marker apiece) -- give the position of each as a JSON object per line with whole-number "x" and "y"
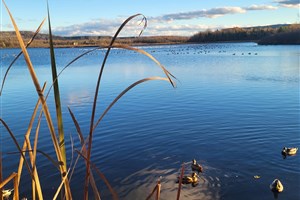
{"x": 276, "y": 34}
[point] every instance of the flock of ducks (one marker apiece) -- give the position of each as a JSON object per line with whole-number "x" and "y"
{"x": 193, "y": 179}
{"x": 276, "y": 186}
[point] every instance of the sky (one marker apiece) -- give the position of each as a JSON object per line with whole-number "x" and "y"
{"x": 164, "y": 17}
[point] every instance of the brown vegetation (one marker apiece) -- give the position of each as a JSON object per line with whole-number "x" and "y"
{"x": 8, "y": 40}
{"x": 282, "y": 38}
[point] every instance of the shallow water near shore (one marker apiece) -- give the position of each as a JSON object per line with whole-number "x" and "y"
{"x": 235, "y": 107}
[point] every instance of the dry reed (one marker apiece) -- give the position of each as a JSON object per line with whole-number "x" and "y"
{"x": 59, "y": 143}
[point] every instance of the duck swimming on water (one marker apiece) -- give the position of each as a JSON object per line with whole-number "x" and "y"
{"x": 193, "y": 179}
{"x": 276, "y": 186}
{"x": 6, "y": 193}
{"x": 289, "y": 151}
{"x": 196, "y": 167}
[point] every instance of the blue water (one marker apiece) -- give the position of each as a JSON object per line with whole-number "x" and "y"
{"x": 236, "y": 105}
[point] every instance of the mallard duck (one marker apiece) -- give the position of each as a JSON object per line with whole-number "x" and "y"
{"x": 276, "y": 186}
{"x": 196, "y": 167}
{"x": 6, "y": 193}
{"x": 289, "y": 151}
{"x": 189, "y": 179}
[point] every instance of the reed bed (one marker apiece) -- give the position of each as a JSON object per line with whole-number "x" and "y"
{"x": 29, "y": 151}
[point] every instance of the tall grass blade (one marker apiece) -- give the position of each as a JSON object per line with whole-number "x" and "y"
{"x": 60, "y": 186}
{"x": 141, "y": 51}
{"x": 52, "y": 160}
{"x": 33, "y": 190}
{"x": 9, "y": 178}
{"x": 77, "y": 126}
{"x": 101, "y": 72}
{"x": 14, "y": 177}
{"x": 126, "y": 47}
{"x": 55, "y": 163}
{"x": 80, "y": 135}
{"x": 33, "y": 160}
{"x": 124, "y": 92}
{"x": 64, "y": 68}
{"x": 45, "y": 107}
{"x": 95, "y": 103}
{"x": 180, "y": 182}
{"x": 26, "y": 145}
{"x": 101, "y": 175}
{"x": 71, "y": 62}
{"x": 35, "y": 142}
{"x": 61, "y": 134}
{"x": 1, "y": 195}
{"x": 72, "y": 150}
{"x": 27, "y": 134}
{"x": 36, "y": 186}
{"x": 17, "y": 145}
{"x": 76, "y": 58}
{"x": 16, "y": 188}
{"x": 151, "y": 194}
{"x": 157, "y": 197}
{"x": 19, "y": 54}
{"x": 1, "y": 166}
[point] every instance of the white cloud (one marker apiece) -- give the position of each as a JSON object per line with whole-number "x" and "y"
{"x": 211, "y": 13}
{"x": 288, "y": 3}
{"x": 108, "y": 27}
{"x": 261, "y": 7}
{"x": 100, "y": 27}
{"x": 103, "y": 27}
{"x": 160, "y": 25}
{"x": 178, "y": 30}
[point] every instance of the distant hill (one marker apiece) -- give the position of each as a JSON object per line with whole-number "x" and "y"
{"x": 8, "y": 40}
{"x": 259, "y": 34}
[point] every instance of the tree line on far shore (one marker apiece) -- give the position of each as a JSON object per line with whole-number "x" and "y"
{"x": 276, "y": 34}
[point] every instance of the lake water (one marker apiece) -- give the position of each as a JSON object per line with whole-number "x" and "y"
{"x": 235, "y": 107}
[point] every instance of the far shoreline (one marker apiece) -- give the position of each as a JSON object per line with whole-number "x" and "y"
{"x": 158, "y": 44}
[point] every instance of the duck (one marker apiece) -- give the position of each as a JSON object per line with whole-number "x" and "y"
{"x": 6, "y": 193}
{"x": 289, "y": 151}
{"x": 193, "y": 179}
{"x": 196, "y": 167}
{"x": 276, "y": 186}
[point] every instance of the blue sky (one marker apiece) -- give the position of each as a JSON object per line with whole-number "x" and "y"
{"x": 165, "y": 17}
